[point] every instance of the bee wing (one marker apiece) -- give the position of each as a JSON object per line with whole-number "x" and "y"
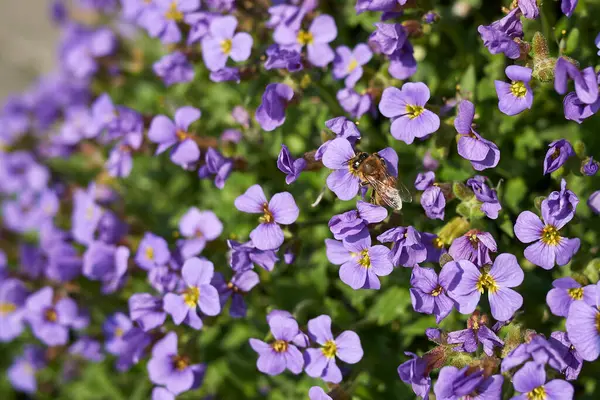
{"x": 388, "y": 193}
{"x": 405, "y": 194}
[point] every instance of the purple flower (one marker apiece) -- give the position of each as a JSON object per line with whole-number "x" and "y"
{"x": 216, "y": 165}
{"x": 321, "y": 362}
{"x": 529, "y": 8}
{"x": 50, "y": 322}
{"x": 474, "y": 246}
{"x": 576, "y": 110}
{"x": 241, "y": 283}
{"x": 530, "y": 380}
{"x": 245, "y": 255}
{"x": 476, "y": 332}
{"x": 482, "y": 153}
{"x": 586, "y": 81}
{"x": 197, "y": 275}
{"x": 87, "y": 348}
{"x": 360, "y": 262}
{"x": 167, "y": 134}
{"x": 454, "y": 383}
{"x": 416, "y": 372}
{"x": 433, "y": 202}
{"x": 504, "y": 274}
{"x": 378, "y": 5}
{"x": 574, "y": 361}
{"x": 282, "y": 209}
{"x": 343, "y": 128}
{"x": 406, "y": 108}
{"x": 161, "y": 21}
{"x": 12, "y": 299}
{"x": 82, "y": 47}
{"x": 290, "y": 167}
{"x": 222, "y": 42}
{"x": 174, "y": 68}
{"x": 198, "y": 227}
{"x": 486, "y": 195}
{"x": 558, "y": 153}
{"x": 270, "y": 114}
{"x": 162, "y": 393}
{"x": 568, "y": 6}
{"x": 354, "y": 103}
{"x": 429, "y": 293}
{"x": 225, "y": 75}
{"x": 582, "y": 327}
{"x": 424, "y": 180}
{"x": 106, "y": 263}
{"x": 275, "y": 357}
{"x": 594, "y": 202}
{"x": 153, "y": 251}
{"x": 316, "y": 39}
{"x": 408, "y": 248}
{"x": 388, "y": 38}
{"x": 21, "y": 373}
{"x": 348, "y": 63}
{"x": 301, "y": 339}
{"x": 537, "y": 348}
{"x": 498, "y": 37}
{"x": 430, "y": 163}
{"x": 517, "y": 96}
{"x": 167, "y": 367}
{"x": 562, "y": 205}
{"x": 134, "y": 349}
{"x": 147, "y": 311}
{"x": 317, "y": 393}
{"x": 549, "y": 248}
{"x": 590, "y": 167}
{"x": 352, "y": 223}
{"x": 113, "y": 329}
{"x": 280, "y": 58}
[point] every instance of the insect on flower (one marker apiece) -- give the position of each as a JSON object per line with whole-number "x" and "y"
{"x": 372, "y": 170}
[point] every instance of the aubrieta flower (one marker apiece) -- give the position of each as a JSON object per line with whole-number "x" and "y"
{"x": 21, "y": 373}
{"x": 378, "y": 5}
{"x": 321, "y": 362}
{"x": 161, "y": 21}
{"x": 243, "y": 256}
{"x": 353, "y": 222}
{"x": 152, "y": 251}
{"x": 270, "y": 114}
{"x": 474, "y": 246}
{"x": 568, "y": 6}
{"x": 597, "y": 42}
{"x": 113, "y": 329}
{"x": 198, "y": 228}
{"x": 558, "y": 153}
{"x": 408, "y": 248}
{"x": 301, "y": 339}
{"x": 354, "y": 103}
{"x": 280, "y": 58}
{"x": 317, "y": 393}
{"x": 174, "y": 68}
{"x": 50, "y": 321}
{"x": 227, "y": 74}
{"x": 472, "y": 146}
{"x": 83, "y": 46}
{"x": 169, "y": 368}
{"x": 586, "y": 81}
{"x": 583, "y": 327}
{"x": 566, "y": 291}
{"x": 321, "y": 32}
{"x": 348, "y": 63}
{"x": 343, "y": 128}
{"x": 486, "y": 195}
{"x": 406, "y": 108}
{"x": 590, "y": 167}
{"x": 574, "y": 361}
{"x": 529, "y": 8}
{"x": 199, "y": 293}
{"x": 146, "y": 310}
{"x": 87, "y": 348}
{"x": 499, "y": 36}
{"x": 106, "y": 263}
{"x": 549, "y": 248}
{"x": 428, "y": 292}
{"x": 392, "y": 40}
{"x": 290, "y": 167}
{"x": 168, "y": 134}
{"x": 576, "y": 110}
{"x": 594, "y": 202}
{"x": 275, "y": 357}
{"x": 416, "y": 372}
{"x": 516, "y": 96}
{"x": 222, "y": 42}
{"x": 215, "y": 164}
{"x": 454, "y": 383}
{"x": 504, "y": 274}
{"x": 537, "y": 348}
{"x": 241, "y": 283}
{"x": 530, "y": 380}
{"x": 433, "y": 202}
{"x": 476, "y": 332}
{"x": 361, "y": 263}
{"x": 281, "y": 209}
{"x": 12, "y": 299}
{"x": 134, "y": 349}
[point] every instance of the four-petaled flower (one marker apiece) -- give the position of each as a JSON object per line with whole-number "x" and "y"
{"x": 348, "y": 63}
{"x": 516, "y": 96}
{"x": 530, "y": 380}
{"x": 222, "y": 42}
{"x": 472, "y": 146}
{"x": 429, "y": 292}
{"x": 167, "y": 134}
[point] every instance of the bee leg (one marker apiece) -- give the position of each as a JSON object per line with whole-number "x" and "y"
{"x": 364, "y": 183}
{"x": 376, "y": 199}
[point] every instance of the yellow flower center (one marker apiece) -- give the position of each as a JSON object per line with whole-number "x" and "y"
{"x": 181, "y": 135}
{"x": 486, "y": 281}
{"x": 539, "y": 393}
{"x": 437, "y": 291}
{"x": 267, "y": 217}
{"x": 305, "y": 38}
{"x": 438, "y": 243}
{"x": 180, "y": 362}
{"x": 518, "y": 89}
{"x": 365, "y": 259}
{"x": 550, "y": 235}
{"x": 352, "y": 66}
{"x": 226, "y": 46}
{"x": 280, "y": 346}
{"x": 7, "y": 308}
{"x": 414, "y": 111}
{"x": 119, "y": 332}
{"x": 598, "y": 322}
{"x": 173, "y": 13}
{"x": 149, "y": 253}
{"x": 191, "y": 296}
{"x": 50, "y": 315}
{"x": 576, "y": 293}
{"x": 473, "y": 239}
{"x": 329, "y": 349}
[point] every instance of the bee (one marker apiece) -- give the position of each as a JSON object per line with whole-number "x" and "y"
{"x": 372, "y": 170}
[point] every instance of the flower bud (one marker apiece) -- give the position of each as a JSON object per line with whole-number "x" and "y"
{"x": 453, "y": 229}
{"x": 461, "y": 191}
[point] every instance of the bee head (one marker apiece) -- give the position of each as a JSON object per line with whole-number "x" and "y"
{"x": 359, "y": 159}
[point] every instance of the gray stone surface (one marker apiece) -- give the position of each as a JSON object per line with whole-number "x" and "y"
{"x": 27, "y": 43}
